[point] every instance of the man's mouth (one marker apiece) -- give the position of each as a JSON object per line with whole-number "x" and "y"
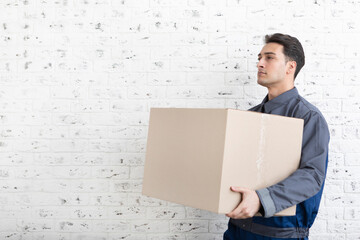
{"x": 261, "y": 73}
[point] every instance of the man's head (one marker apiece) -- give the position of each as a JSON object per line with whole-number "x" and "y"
{"x": 281, "y": 58}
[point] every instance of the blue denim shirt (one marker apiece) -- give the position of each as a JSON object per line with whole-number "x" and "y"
{"x": 304, "y": 187}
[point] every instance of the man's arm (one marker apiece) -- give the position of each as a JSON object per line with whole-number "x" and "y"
{"x": 308, "y": 179}
{"x": 301, "y": 185}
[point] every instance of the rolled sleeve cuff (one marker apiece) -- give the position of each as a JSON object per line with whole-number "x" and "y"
{"x": 266, "y": 202}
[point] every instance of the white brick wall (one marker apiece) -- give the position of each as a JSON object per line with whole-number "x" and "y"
{"x": 77, "y": 80}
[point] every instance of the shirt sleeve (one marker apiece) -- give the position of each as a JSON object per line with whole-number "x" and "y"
{"x": 308, "y": 179}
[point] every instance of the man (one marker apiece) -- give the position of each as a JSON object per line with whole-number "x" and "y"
{"x": 279, "y": 62}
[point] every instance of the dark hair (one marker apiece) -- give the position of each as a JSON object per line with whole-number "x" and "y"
{"x": 293, "y": 50}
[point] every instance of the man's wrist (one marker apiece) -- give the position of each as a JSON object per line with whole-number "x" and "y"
{"x": 266, "y": 202}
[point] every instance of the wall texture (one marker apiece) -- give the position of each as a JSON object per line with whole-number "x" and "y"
{"x": 77, "y": 80}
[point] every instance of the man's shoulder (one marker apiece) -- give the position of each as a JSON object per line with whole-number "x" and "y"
{"x": 305, "y": 109}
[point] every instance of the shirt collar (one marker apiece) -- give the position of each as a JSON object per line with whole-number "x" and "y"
{"x": 267, "y": 106}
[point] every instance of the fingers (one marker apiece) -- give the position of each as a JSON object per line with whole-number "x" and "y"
{"x": 241, "y": 212}
{"x": 249, "y": 205}
{"x": 239, "y": 189}
{"x": 235, "y": 213}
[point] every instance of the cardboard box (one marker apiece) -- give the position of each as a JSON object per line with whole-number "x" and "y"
{"x": 193, "y": 156}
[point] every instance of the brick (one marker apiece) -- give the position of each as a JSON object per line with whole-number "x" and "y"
{"x": 230, "y": 65}
{"x": 49, "y": 132}
{"x": 218, "y": 226}
{"x": 146, "y": 93}
{"x": 332, "y": 236}
{"x": 159, "y": 103}
{"x": 36, "y": 225}
{"x": 353, "y": 236}
{"x": 85, "y": 79}
{"x": 126, "y": 159}
{"x": 137, "y": 199}
{"x": 165, "y": 213}
{"x": 166, "y": 78}
{"x": 15, "y": 132}
{"x": 108, "y": 172}
{"x": 185, "y": 92}
{"x": 194, "y": 213}
{"x": 95, "y": 118}
{"x": 8, "y": 226}
{"x": 210, "y": 52}
{"x": 87, "y": 212}
{"x": 335, "y": 160}
{"x": 325, "y": 214}
{"x": 137, "y": 172}
{"x": 187, "y": 226}
{"x": 108, "y": 199}
{"x": 204, "y": 236}
{"x": 336, "y": 132}
{"x": 344, "y": 92}
{"x": 131, "y": 186}
{"x": 95, "y": 132}
{"x": 352, "y": 213}
{"x": 16, "y": 106}
{"x": 32, "y": 145}
{"x": 145, "y": 226}
{"x": 119, "y": 65}
{"x": 110, "y": 226}
{"x": 251, "y": 91}
{"x": 334, "y": 186}
{"x": 325, "y": 78}
{"x": 90, "y": 106}
{"x": 240, "y": 79}
{"x": 129, "y": 213}
{"x": 70, "y": 119}
{"x": 335, "y": 226}
{"x": 47, "y": 235}
{"x": 74, "y": 226}
{"x": 319, "y": 226}
{"x": 52, "y": 106}
{"x": 89, "y": 186}
{"x": 352, "y": 186}
{"x": 189, "y": 39}
{"x": 351, "y": 79}
{"x": 63, "y": 145}
{"x": 126, "y": 236}
{"x": 190, "y": 65}
{"x": 223, "y": 92}
{"x": 51, "y": 212}
{"x": 351, "y": 105}
{"x": 106, "y": 146}
{"x": 205, "y": 103}
{"x": 352, "y": 159}
{"x": 135, "y": 105}
{"x": 341, "y": 200}
{"x": 166, "y": 237}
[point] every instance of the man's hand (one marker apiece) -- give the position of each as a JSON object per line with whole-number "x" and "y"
{"x": 249, "y": 205}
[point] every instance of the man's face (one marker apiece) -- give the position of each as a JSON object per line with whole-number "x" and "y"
{"x": 272, "y": 65}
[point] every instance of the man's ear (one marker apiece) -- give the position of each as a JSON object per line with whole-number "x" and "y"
{"x": 291, "y": 67}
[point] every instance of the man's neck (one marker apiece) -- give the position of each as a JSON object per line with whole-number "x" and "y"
{"x": 273, "y": 92}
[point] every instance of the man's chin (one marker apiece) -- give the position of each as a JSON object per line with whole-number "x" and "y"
{"x": 262, "y": 82}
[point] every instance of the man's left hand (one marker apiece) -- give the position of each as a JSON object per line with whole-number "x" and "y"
{"x": 249, "y": 205}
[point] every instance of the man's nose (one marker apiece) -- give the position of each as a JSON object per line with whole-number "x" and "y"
{"x": 260, "y": 64}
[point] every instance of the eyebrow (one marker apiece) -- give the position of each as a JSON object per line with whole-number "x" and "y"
{"x": 267, "y": 53}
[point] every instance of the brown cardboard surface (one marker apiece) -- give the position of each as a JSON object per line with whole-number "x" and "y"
{"x": 193, "y": 156}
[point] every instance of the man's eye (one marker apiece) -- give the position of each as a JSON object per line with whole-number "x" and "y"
{"x": 269, "y": 58}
